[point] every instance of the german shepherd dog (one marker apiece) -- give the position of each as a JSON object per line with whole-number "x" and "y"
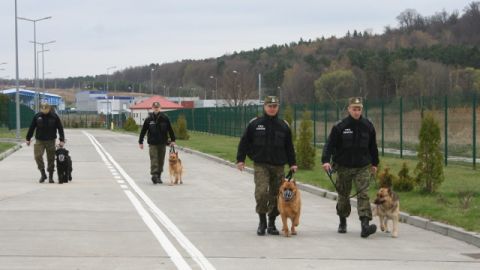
{"x": 387, "y": 207}
{"x": 289, "y": 205}
{"x": 64, "y": 165}
{"x": 175, "y": 168}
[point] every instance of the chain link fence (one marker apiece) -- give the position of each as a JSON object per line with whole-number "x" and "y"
{"x": 397, "y": 122}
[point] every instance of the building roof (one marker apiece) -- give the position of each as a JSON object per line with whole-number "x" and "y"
{"x": 25, "y": 91}
{"x": 164, "y": 103}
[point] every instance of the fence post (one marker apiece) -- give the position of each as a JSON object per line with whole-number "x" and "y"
{"x": 314, "y": 125}
{"x": 474, "y": 130}
{"x": 446, "y": 130}
{"x": 401, "y": 127}
{"x": 383, "y": 127}
{"x": 366, "y": 108}
{"x": 325, "y": 118}
{"x": 295, "y": 120}
{"x": 338, "y": 113}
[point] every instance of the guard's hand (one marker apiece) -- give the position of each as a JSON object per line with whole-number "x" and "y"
{"x": 294, "y": 168}
{"x": 141, "y": 146}
{"x": 327, "y": 167}
{"x": 241, "y": 166}
{"x": 374, "y": 170}
{"x": 27, "y": 143}
{"x": 61, "y": 144}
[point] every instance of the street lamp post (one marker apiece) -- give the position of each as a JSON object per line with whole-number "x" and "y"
{"x": 38, "y": 68}
{"x": 34, "y": 49}
{"x": 216, "y": 85}
{"x": 43, "y": 61}
{"x": 17, "y": 83}
{"x": 108, "y": 100}
{"x": 235, "y": 87}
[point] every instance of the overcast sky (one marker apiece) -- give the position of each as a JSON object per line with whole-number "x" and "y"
{"x": 92, "y": 35}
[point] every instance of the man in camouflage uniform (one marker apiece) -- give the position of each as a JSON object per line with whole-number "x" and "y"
{"x": 159, "y": 128}
{"x": 45, "y": 124}
{"x": 352, "y": 146}
{"x": 268, "y": 142}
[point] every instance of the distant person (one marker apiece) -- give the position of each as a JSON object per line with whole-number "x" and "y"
{"x": 158, "y": 128}
{"x": 267, "y": 140}
{"x": 352, "y": 147}
{"x": 45, "y": 124}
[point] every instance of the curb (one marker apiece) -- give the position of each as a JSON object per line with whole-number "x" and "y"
{"x": 9, "y": 151}
{"x": 427, "y": 224}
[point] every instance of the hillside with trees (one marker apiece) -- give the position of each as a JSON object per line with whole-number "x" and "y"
{"x": 423, "y": 55}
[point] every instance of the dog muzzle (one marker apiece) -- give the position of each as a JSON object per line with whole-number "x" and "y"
{"x": 288, "y": 194}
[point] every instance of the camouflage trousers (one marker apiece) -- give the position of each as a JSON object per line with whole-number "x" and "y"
{"x": 361, "y": 178}
{"x": 267, "y": 183}
{"x": 39, "y": 148}
{"x": 157, "y": 158}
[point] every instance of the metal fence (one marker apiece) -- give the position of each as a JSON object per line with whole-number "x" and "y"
{"x": 8, "y": 114}
{"x": 397, "y": 122}
{"x": 92, "y": 120}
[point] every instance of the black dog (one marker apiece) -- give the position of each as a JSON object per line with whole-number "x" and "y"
{"x": 64, "y": 165}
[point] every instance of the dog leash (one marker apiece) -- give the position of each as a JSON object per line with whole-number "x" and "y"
{"x": 331, "y": 172}
{"x": 172, "y": 149}
{"x": 289, "y": 175}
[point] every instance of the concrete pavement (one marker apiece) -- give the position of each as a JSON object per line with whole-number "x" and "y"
{"x": 112, "y": 217}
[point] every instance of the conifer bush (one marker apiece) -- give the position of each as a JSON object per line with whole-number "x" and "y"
{"x": 180, "y": 128}
{"x": 130, "y": 125}
{"x": 429, "y": 169}
{"x": 404, "y": 182}
{"x": 305, "y": 149}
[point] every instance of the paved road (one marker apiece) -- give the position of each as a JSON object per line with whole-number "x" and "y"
{"x": 112, "y": 217}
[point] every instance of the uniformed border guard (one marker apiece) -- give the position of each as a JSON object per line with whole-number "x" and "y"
{"x": 157, "y": 126}
{"x": 267, "y": 140}
{"x": 352, "y": 146}
{"x": 45, "y": 124}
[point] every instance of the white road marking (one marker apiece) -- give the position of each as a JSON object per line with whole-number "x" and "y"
{"x": 124, "y": 186}
{"x": 196, "y": 255}
{"x": 172, "y": 252}
{"x": 120, "y": 181}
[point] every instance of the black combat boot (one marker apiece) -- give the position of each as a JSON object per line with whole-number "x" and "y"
{"x": 159, "y": 179}
{"x": 262, "y": 226}
{"x": 50, "y": 177}
{"x": 366, "y": 228}
{"x": 271, "y": 229}
{"x": 154, "y": 179}
{"x": 43, "y": 177}
{"x": 342, "y": 228}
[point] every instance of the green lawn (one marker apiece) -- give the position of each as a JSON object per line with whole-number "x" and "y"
{"x": 444, "y": 206}
{"x": 5, "y": 146}
{"x": 11, "y": 134}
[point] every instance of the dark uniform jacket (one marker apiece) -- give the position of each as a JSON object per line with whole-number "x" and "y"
{"x": 46, "y": 126}
{"x": 157, "y": 126}
{"x": 352, "y": 143}
{"x": 267, "y": 140}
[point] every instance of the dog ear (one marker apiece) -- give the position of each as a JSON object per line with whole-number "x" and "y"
{"x": 176, "y": 154}
{"x": 390, "y": 191}
{"x": 294, "y": 181}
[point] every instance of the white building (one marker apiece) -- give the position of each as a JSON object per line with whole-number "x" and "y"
{"x": 140, "y": 110}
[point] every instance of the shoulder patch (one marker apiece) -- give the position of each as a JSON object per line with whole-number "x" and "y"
{"x": 288, "y": 125}
{"x": 253, "y": 119}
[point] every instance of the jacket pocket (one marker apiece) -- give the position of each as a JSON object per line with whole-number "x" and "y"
{"x": 259, "y": 137}
{"x": 364, "y": 139}
{"x": 279, "y": 139}
{"x": 347, "y": 140}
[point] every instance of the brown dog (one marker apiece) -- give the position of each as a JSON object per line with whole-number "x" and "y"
{"x": 175, "y": 168}
{"x": 289, "y": 204}
{"x": 387, "y": 207}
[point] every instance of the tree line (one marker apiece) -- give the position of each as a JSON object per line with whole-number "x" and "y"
{"x": 422, "y": 55}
